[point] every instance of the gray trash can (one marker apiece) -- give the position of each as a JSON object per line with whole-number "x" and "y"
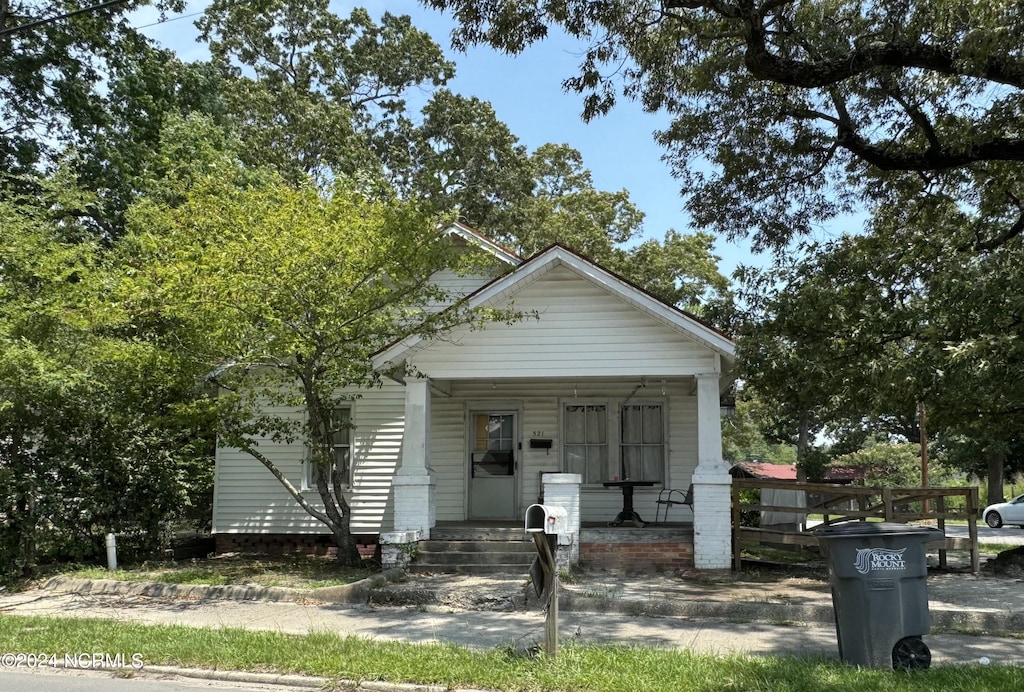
{"x": 878, "y": 574}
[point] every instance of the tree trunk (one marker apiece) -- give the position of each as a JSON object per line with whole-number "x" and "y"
{"x": 348, "y": 551}
{"x": 801, "y": 448}
{"x": 996, "y": 458}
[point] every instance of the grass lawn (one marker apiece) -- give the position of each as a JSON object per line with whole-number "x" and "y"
{"x": 301, "y": 572}
{"x": 605, "y": 668}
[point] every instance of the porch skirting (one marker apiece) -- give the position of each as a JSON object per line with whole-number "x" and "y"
{"x": 636, "y": 548}
{"x": 290, "y": 544}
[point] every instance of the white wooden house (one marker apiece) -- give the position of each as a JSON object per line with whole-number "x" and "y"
{"x": 601, "y": 380}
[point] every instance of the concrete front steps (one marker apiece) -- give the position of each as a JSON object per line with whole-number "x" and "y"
{"x": 466, "y": 550}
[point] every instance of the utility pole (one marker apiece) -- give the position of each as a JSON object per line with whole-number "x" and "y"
{"x": 924, "y": 453}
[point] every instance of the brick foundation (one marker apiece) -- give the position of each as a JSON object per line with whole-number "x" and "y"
{"x": 288, "y": 544}
{"x": 637, "y": 548}
{"x": 638, "y": 555}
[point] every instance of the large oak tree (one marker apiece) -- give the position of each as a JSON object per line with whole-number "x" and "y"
{"x": 786, "y": 113}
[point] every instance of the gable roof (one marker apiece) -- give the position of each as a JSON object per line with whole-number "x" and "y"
{"x": 535, "y": 267}
{"x": 474, "y": 237}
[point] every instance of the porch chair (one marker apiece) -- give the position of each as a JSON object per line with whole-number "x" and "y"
{"x": 669, "y": 497}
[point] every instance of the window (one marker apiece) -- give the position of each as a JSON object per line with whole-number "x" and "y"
{"x": 604, "y": 442}
{"x": 341, "y": 451}
{"x": 586, "y": 441}
{"x": 643, "y": 442}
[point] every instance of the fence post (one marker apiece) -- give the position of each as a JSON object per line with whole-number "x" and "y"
{"x": 972, "y": 527}
{"x": 737, "y": 561}
{"x": 887, "y": 511}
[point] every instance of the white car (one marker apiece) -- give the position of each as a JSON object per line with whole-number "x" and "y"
{"x": 1009, "y": 512}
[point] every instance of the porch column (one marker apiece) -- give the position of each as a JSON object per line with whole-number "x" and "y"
{"x": 712, "y": 515}
{"x": 414, "y": 481}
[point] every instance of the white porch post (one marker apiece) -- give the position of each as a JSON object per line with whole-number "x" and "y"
{"x": 712, "y": 514}
{"x": 414, "y": 480}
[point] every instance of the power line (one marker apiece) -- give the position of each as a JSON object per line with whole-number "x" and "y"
{"x": 50, "y": 20}
{"x": 169, "y": 19}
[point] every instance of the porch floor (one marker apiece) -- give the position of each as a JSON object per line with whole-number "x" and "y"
{"x": 513, "y": 524}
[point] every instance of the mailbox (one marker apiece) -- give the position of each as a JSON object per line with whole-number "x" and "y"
{"x": 546, "y": 519}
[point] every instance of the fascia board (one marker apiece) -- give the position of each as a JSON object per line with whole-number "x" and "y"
{"x": 484, "y": 243}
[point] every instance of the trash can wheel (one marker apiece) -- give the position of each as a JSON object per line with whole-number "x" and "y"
{"x": 910, "y": 653}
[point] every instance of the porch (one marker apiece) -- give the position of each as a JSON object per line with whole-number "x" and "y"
{"x": 503, "y": 547}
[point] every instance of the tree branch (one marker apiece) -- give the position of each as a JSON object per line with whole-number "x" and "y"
{"x": 1012, "y": 232}
{"x": 902, "y": 54}
{"x": 292, "y": 490}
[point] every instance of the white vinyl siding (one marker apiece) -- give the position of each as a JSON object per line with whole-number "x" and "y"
{"x": 448, "y": 457}
{"x": 248, "y": 499}
{"x": 572, "y": 328}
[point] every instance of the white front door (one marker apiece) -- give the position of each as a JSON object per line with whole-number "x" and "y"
{"x": 493, "y": 465}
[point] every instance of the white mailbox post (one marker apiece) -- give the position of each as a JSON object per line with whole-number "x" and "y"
{"x": 546, "y": 523}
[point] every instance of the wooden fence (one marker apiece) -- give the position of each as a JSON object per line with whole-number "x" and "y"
{"x": 844, "y": 502}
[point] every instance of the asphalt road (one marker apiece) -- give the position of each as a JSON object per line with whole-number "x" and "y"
{"x": 1008, "y": 534}
{"x": 64, "y": 681}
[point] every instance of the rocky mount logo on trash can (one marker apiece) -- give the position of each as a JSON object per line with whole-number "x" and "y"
{"x": 879, "y": 559}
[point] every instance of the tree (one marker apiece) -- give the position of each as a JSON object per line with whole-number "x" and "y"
{"x": 52, "y": 72}
{"x": 461, "y": 158}
{"x": 94, "y": 440}
{"x": 865, "y": 328}
{"x": 742, "y": 433}
{"x": 804, "y": 109}
{"x": 282, "y": 295}
{"x": 310, "y": 90}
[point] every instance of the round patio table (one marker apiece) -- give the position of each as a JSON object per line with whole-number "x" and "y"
{"x": 628, "y": 513}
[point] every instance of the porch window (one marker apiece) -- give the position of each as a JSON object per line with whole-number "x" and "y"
{"x": 341, "y": 452}
{"x": 643, "y": 442}
{"x": 586, "y": 441}
{"x": 610, "y": 441}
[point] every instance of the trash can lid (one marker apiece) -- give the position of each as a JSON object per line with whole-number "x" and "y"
{"x": 874, "y": 528}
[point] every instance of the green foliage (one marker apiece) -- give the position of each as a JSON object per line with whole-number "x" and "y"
{"x": 891, "y": 465}
{"x": 280, "y": 296}
{"x": 789, "y": 114}
{"x": 325, "y": 96}
{"x": 743, "y": 437}
{"x": 786, "y": 114}
{"x": 310, "y": 90}
{"x": 92, "y": 440}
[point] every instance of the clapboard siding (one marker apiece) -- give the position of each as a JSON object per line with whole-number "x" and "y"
{"x": 248, "y": 499}
{"x": 457, "y": 285}
{"x": 580, "y": 329}
{"x": 380, "y": 425}
{"x": 448, "y": 457}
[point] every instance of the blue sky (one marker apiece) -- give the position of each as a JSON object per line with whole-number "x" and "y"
{"x": 526, "y": 93}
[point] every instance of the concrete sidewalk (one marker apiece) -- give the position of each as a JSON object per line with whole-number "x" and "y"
{"x": 716, "y": 614}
